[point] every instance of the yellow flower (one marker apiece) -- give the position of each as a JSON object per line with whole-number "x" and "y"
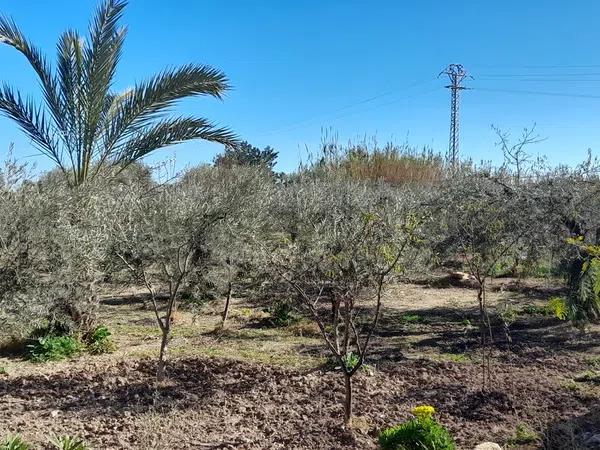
{"x": 423, "y": 412}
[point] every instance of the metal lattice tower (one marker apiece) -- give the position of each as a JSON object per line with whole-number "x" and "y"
{"x": 457, "y": 75}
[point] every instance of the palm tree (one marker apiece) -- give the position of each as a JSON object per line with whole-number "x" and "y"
{"x": 82, "y": 125}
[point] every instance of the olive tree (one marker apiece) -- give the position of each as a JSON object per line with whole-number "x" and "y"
{"x": 17, "y": 273}
{"x": 337, "y": 243}
{"x": 52, "y": 253}
{"x": 482, "y": 222}
{"x": 168, "y": 237}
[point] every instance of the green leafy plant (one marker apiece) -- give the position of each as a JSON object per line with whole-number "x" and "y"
{"x": 99, "y": 341}
{"x": 420, "y": 433}
{"x": 68, "y": 443}
{"x": 54, "y": 348}
{"x": 3, "y": 371}
{"x": 351, "y": 360}
{"x": 523, "y": 435}
{"x": 558, "y": 307}
{"x": 282, "y": 313}
{"x": 534, "y": 309}
{"x": 412, "y": 318}
{"x": 14, "y": 443}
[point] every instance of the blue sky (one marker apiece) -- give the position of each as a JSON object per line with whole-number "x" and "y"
{"x": 357, "y": 68}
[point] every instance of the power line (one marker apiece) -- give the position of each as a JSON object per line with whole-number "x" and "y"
{"x": 542, "y": 80}
{"x": 295, "y": 125}
{"x": 528, "y": 92}
{"x": 555, "y": 66}
{"x": 551, "y": 75}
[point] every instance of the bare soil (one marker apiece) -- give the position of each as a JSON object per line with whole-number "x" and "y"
{"x": 270, "y": 388}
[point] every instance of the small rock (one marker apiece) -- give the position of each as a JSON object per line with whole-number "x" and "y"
{"x": 488, "y": 446}
{"x": 54, "y": 413}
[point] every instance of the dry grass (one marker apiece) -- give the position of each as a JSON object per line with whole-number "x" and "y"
{"x": 394, "y": 166}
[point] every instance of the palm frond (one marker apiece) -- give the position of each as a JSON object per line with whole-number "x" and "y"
{"x": 89, "y": 123}
{"x": 31, "y": 120}
{"x": 169, "y": 132}
{"x": 151, "y": 98}
{"x": 105, "y": 21}
{"x": 70, "y": 84}
{"x": 11, "y": 35}
{"x": 101, "y": 57}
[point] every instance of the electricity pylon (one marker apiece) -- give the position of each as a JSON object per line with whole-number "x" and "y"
{"x": 457, "y": 75}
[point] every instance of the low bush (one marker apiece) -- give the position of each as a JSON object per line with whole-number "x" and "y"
{"x": 14, "y": 443}
{"x": 420, "y": 433}
{"x": 412, "y": 318}
{"x": 54, "y": 348}
{"x": 282, "y": 313}
{"x": 99, "y": 341}
{"x": 68, "y": 443}
{"x": 351, "y": 360}
{"x": 523, "y": 435}
{"x": 558, "y": 307}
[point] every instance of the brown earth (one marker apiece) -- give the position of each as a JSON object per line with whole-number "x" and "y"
{"x": 256, "y": 388}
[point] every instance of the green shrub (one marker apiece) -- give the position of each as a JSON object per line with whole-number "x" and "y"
{"x": 558, "y": 307}
{"x": 54, "y": 348}
{"x": 99, "y": 341}
{"x": 3, "y": 371}
{"x": 523, "y": 435}
{"x": 534, "y": 309}
{"x": 412, "y": 318}
{"x": 68, "y": 443}
{"x": 421, "y": 433}
{"x": 282, "y": 313}
{"x": 351, "y": 360}
{"x": 14, "y": 443}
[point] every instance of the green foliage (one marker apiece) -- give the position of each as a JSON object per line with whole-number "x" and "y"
{"x": 417, "y": 434}
{"x": 584, "y": 299}
{"x": 3, "y": 371}
{"x": 99, "y": 341}
{"x": 245, "y": 154}
{"x": 68, "y": 443}
{"x": 534, "y": 309}
{"x": 589, "y": 376}
{"x": 523, "y": 435}
{"x": 282, "y": 313}
{"x": 593, "y": 362}
{"x": 455, "y": 357}
{"x": 14, "y": 443}
{"x": 502, "y": 268}
{"x": 412, "y": 318}
{"x": 558, "y": 307}
{"x": 351, "y": 360}
{"x": 54, "y": 348}
{"x": 100, "y": 333}
{"x": 507, "y": 313}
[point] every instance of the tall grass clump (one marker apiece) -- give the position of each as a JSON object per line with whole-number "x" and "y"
{"x": 367, "y": 161}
